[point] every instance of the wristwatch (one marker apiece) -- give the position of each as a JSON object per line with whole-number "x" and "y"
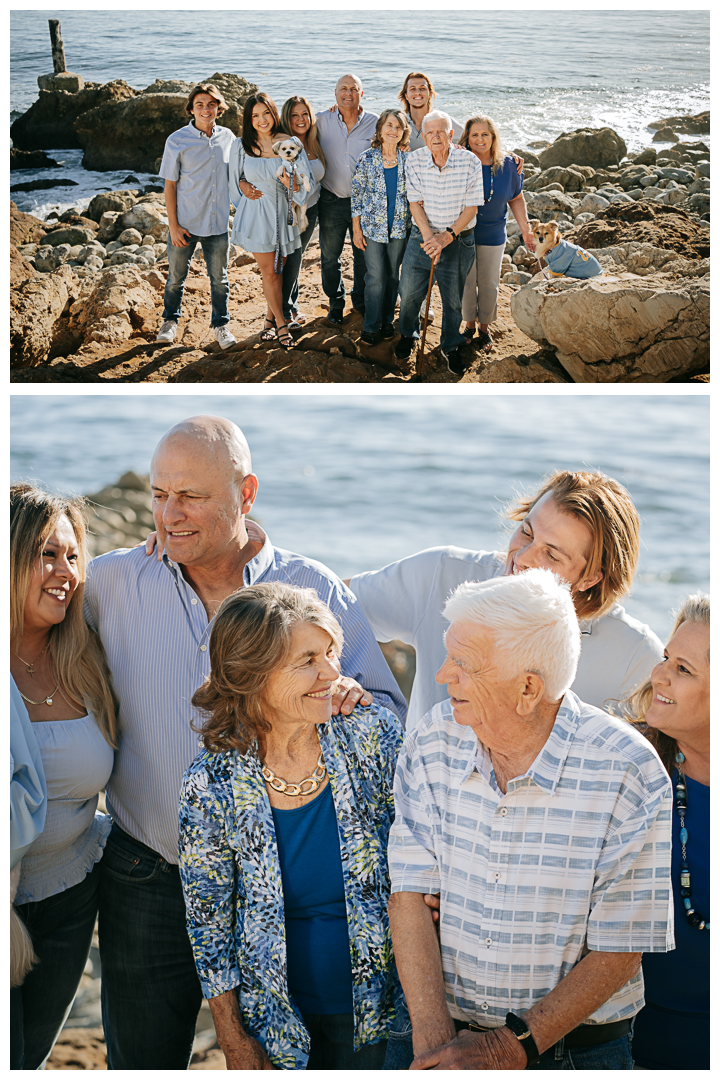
{"x": 524, "y": 1036}
{"x": 453, "y": 234}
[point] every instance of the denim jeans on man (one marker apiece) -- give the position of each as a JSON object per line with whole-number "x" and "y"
{"x": 382, "y": 280}
{"x": 61, "y": 927}
{"x": 335, "y": 223}
{"x": 151, "y": 993}
{"x": 291, "y": 269}
{"x": 216, "y": 250}
{"x": 451, "y": 271}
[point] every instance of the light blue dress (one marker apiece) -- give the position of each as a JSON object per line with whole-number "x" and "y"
{"x": 255, "y": 227}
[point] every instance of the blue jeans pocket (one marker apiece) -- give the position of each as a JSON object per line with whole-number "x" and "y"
{"x": 128, "y": 864}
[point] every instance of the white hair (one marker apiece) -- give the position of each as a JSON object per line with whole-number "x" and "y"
{"x": 532, "y": 621}
{"x": 437, "y": 114}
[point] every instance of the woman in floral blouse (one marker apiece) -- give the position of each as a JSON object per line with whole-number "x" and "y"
{"x": 284, "y": 821}
{"x": 381, "y": 220}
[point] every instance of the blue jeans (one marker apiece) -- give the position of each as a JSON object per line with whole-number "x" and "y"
{"x": 335, "y": 223}
{"x": 291, "y": 270}
{"x": 151, "y": 993}
{"x": 451, "y": 271}
{"x": 331, "y": 1044}
{"x": 216, "y": 250}
{"x": 382, "y": 280}
{"x": 611, "y": 1055}
{"x": 61, "y": 928}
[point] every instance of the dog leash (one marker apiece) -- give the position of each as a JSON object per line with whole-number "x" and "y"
{"x": 542, "y": 269}
{"x": 278, "y": 263}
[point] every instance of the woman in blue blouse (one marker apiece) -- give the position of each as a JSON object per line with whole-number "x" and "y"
{"x": 63, "y": 698}
{"x": 381, "y": 220}
{"x": 503, "y": 187}
{"x": 284, "y": 821}
{"x": 673, "y": 1030}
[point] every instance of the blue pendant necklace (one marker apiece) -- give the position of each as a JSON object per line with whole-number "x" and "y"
{"x": 492, "y": 182}
{"x": 681, "y": 806}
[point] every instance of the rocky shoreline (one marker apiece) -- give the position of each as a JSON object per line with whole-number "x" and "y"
{"x": 87, "y": 285}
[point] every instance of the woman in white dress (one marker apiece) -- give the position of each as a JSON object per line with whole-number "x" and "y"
{"x": 260, "y": 189}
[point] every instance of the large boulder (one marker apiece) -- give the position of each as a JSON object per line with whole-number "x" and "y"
{"x": 20, "y": 268}
{"x": 148, "y": 216}
{"x": 544, "y": 205}
{"x": 31, "y": 159}
{"x": 35, "y": 309}
{"x": 71, "y": 235}
{"x": 130, "y": 134}
{"x": 109, "y": 308}
{"x": 621, "y": 327}
{"x": 48, "y": 123}
{"x": 24, "y": 228}
{"x": 597, "y": 147}
{"x": 110, "y": 201}
{"x": 647, "y": 223}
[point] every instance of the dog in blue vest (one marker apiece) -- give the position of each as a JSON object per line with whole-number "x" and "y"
{"x": 563, "y": 258}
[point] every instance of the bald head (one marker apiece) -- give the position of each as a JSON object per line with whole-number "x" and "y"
{"x": 348, "y": 91}
{"x": 211, "y": 437}
{"x": 202, "y": 487}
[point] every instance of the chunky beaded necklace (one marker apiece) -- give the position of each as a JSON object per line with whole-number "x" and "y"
{"x": 492, "y": 183}
{"x": 681, "y": 806}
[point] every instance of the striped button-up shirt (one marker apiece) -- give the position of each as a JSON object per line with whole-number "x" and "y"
{"x": 156, "y": 635}
{"x": 444, "y": 192}
{"x": 575, "y": 857}
{"x": 199, "y": 165}
{"x": 342, "y": 148}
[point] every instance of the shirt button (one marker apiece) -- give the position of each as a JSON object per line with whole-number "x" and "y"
{"x": 193, "y": 601}
{"x": 503, "y": 811}
{"x": 497, "y": 875}
{"x": 203, "y": 648}
{"x": 484, "y": 1006}
{"x": 488, "y": 941}
{"x": 170, "y": 562}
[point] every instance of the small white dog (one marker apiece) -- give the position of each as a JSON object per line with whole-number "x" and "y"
{"x": 289, "y": 150}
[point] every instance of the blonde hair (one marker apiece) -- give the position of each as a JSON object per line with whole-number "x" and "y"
{"x": 497, "y": 153}
{"x": 404, "y": 144}
{"x": 22, "y": 953}
{"x": 696, "y": 610}
{"x": 74, "y": 650}
{"x": 402, "y": 96}
{"x": 312, "y": 141}
{"x": 606, "y": 508}
{"x": 251, "y": 638}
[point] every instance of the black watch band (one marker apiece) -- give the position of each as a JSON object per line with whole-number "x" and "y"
{"x": 453, "y": 234}
{"x": 522, "y": 1033}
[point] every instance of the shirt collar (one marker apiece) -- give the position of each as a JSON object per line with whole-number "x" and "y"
{"x": 254, "y": 570}
{"x": 201, "y": 134}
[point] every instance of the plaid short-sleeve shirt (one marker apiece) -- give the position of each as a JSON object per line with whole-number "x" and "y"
{"x": 444, "y": 192}
{"x": 575, "y": 857}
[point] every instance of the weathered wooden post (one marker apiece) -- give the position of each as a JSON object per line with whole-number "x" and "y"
{"x": 58, "y": 49}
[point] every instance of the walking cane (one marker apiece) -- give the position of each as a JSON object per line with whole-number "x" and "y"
{"x": 425, "y": 322}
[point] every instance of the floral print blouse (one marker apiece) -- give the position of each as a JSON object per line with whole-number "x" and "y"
{"x": 369, "y": 197}
{"x": 230, "y": 872}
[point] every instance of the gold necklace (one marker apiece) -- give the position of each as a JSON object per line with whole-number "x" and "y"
{"x": 31, "y": 666}
{"x": 45, "y": 701}
{"x": 293, "y": 790}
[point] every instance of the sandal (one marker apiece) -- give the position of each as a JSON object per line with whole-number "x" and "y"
{"x": 484, "y": 340}
{"x": 284, "y": 337}
{"x": 270, "y": 331}
{"x": 468, "y": 333}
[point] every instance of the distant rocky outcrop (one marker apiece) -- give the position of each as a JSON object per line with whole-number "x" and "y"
{"x": 696, "y": 124}
{"x": 117, "y": 126}
{"x": 598, "y": 147}
{"x": 31, "y": 159}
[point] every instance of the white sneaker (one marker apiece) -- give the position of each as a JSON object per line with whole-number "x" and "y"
{"x": 223, "y": 337}
{"x": 167, "y": 331}
{"x": 430, "y": 314}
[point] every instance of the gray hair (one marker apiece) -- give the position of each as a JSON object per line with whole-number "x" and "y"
{"x": 532, "y": 621}
{"x": 437, "y": 114}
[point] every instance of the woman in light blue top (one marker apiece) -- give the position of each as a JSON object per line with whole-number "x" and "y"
{"x": 381, "y": 220}
{"x": 59, "y": 670}
{"x": 298, "y": 118}
{"x": 260, "y": 189}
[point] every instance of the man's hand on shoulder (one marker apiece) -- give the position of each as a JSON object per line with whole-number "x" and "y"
{"x": 347, "y": 694}
{"x": 498, "y": 1049}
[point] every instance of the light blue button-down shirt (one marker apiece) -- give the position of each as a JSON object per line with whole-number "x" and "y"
{"x": 156, "y": 635}
{"x": 199, "y": 165}
{"x": 342, "y": 148}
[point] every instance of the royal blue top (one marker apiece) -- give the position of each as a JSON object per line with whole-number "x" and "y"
{"x": 507, "y": 182}
{"x": 391, "y": 182}
{"x": 318, "y": 948}
{"x": 680, "y": 980}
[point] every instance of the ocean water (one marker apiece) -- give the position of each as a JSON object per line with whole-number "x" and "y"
{"x": 359, "y": 482}
{"x": 538, "y": 73}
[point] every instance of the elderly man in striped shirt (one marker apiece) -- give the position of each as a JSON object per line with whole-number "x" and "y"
{"x": 544, "y": 825}
{"x": 444, "y": 189}
{"x": 154, "y": 617}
